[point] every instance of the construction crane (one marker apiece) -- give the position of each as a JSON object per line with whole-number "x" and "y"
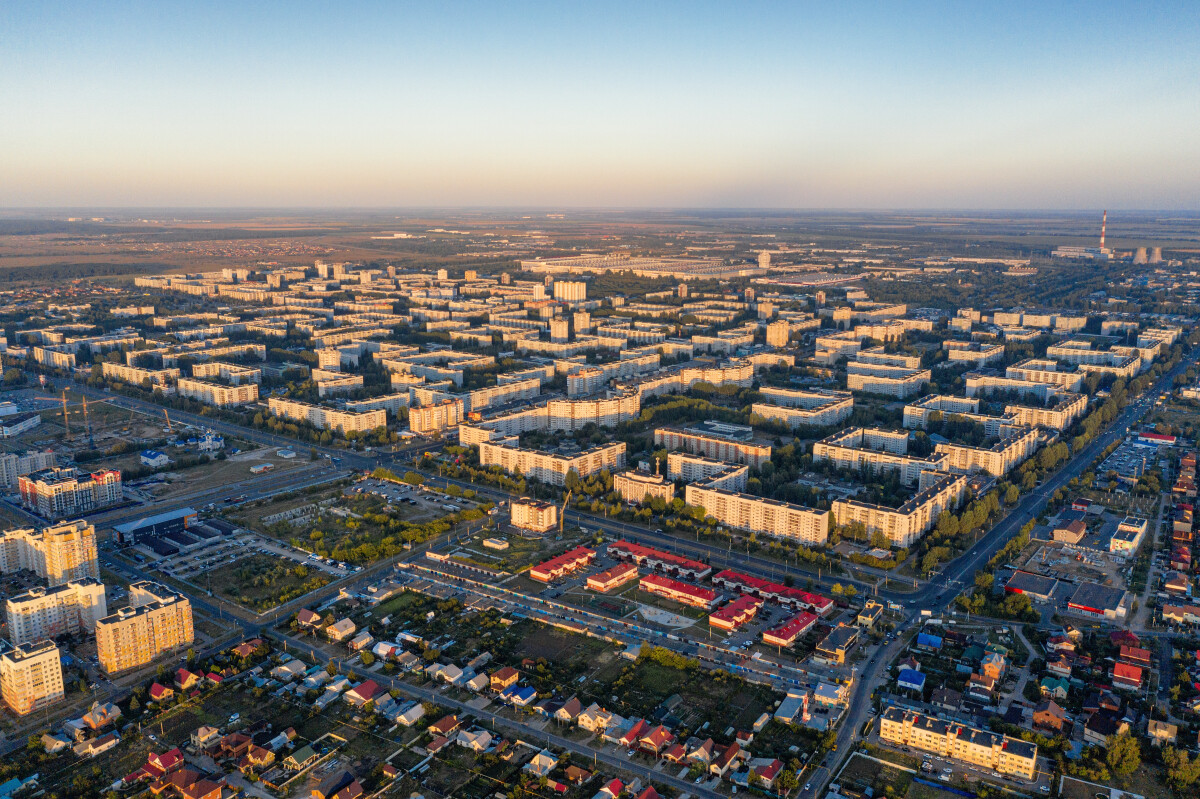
{"x": 563, "y": 513}
{"x": 66, "y": 422}
{"x": 167, "y": 416}
{"x": 87, "y": 423}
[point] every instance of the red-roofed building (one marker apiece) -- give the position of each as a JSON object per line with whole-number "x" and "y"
{"x": 611, "y": 789}
{"x": 570, "y": 561}
{"x": 160, "y": 693}
{"x": 736, "y": 613}
{"x": 612, "y": 578}
{"x": 364, "y": 692}
{"x": 308, "y": 618}
{"x": 786, "y": 634}
{"x": 773, "y": 592}
{"x": 185, "y": 679}
{"x": 1135, "y": 655}
{"x": 684, "y": 593}
{"x": 1124, "y": 638}
{"x": 656, "y": 740}
{"x": 1126, "y": 675}
{"x": 657, "y": 560}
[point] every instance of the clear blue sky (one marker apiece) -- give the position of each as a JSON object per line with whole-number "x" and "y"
{"x": 803, "y": 105}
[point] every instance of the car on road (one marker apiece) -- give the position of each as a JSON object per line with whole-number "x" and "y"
{"x": 808, "y": 786}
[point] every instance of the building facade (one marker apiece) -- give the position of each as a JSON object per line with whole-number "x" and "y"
{"x": 66, "y": 491}
{"x": 58, "y": 554}
{"x": 157, "y": 620}
{"x": 72, "y": 608}
{"x": 31, "y": 677}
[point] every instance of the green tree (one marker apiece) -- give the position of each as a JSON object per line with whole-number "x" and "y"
{"x": 1123, "y": 754}
{"x": 1182, "y": 772}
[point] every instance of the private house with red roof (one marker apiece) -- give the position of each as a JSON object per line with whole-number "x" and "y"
{"x": 1136, "y": 655}
{"x": 736, "y": 613}
{"x": 444, "y": 726}
{"x": 655, "y": 740}
{"x": 308, "y": 619}
{"x": 174, "y": 782}
{"x": 1124, "y": 638}
{"x": 365, "y": 691}
{"x": 503, "y": 677}
{"x": 1126, "y": 675}
{"x": 160, "y": 693}
{"x": 726, "y": 759}
{"x": 766, "y": 770}
{"x": 234, "y": 745}
{"x": 634, "y": 733}
{"x": 247, "y": 648}
{"x": 610, "y": 790}
{"x": 257, "y": 758}
{"x": 1060, "y": 668}
{"x": 648, "y": 793}
{"x": 186, "y": 680}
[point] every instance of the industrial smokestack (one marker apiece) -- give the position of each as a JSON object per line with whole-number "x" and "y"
{"x": 1103, "y": 225}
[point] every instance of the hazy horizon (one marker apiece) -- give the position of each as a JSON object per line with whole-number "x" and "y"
{"x": 862, "y": 107}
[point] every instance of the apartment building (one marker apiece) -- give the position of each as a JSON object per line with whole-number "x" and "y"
{"x": 997, "y": 460}
{"x": 761, "y": 515}
{"x": 906, "y": 524}
{"x": 65, "y": 491}
{"x": 978, "y": 383}
{"x": 331, "y": 383}
{"x": 502, "y": 394}
{"x": 433, "y": 419}
{"x": 1040, "y": 370}
{"x": 58, "y": 554}
{"x": 31, "y": 677}
{"x": 880, "y": 356}
{"x": 876, "y": 450}
{"x": 138, "y": 376}
{"x": 218, "y": 394}
{"x": 156, "y": 621}
{"x": 892, "y": 381}
{"x": 1062, "y": 414}
{"x": 532, "y": 514}
{"x": 72, "y": 608}
{"x": 804, "y": 407}
{"x": 551, "y": 467}
{"x": 637, "y": 486}
{"x": 567, "y": 414}
{"x": 570, "y": 290}
{"x": 325, "y": 418}
{"x": 706, "y": 471}
{"x": 14, "y": 465}
{"x": 917, "y": 415}
{"x": 988, "y": 750}
{"x": 973, "y": 352}
{"x": 712, "y": 446}
{"x": 583, "y": 378}
{"x": 231, "y": 373}
{"x": 778, "y": 333}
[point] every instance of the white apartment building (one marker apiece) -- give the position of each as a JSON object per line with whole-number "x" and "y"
{"x": 58, "y": 554}
{"x": 433, "y": 419}
{"x": 324, "y": 418}
{"x": 570, "y": 290}
{"x": 711, "y": 446}
{"x": 760, "y": 515}
{"x": 893, "y": 381}
{"x": 391, "y": 403}
{"x": 1066, "y": 409}
{"x": 550, "y": 467}
{"x": 532, "y": 514}
{"x": 13, "y": 466}
{"x": 218, "y": 394}
{"x": 997, "y": 460}
{"x": 879, "y": 355}
{"x": 232, "y": 373}
{"x": 567, "y": 414}
{"x": 138, "y": 376}
{"x": 636, "y": 487}
{"x": 31, "y": 677}
{"x": 330, "y": 383}
{"x": 977, "y": 383}
{"x": 1039, "y": 370}
{"x": 904, "y": 525}
{"x": 72, "y": 608}
{"x": 877, "y": 450}
{"x": 711, "y": 473}
{"x": 502, "y": 394}
{"x": 804, "y": 407}
{"x": 973, "y": 352}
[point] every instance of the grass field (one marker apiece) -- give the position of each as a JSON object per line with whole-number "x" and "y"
{"x": 863, "y": 772}
{"x": 263, "y": 581}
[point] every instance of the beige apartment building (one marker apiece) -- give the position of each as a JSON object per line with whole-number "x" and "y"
{"x": 58, "y": 554}
{"x": 778, "y": 333}
{"x": 551, "y": 467}
{"x": 892, "y": 381}
{"x": 880, "y": 356}
{"x": 324, "y": 418}
{"x": 433, "y": 419}
{"x": 987, "y": 750}
{"x": 46, "y": 613}
{"x": 973, "y": 352}
{"x": 918, "y": 414}
{"x": 1038, "y": 370}
{"x": 760, "y": 515}
{"x": 1066, "y": 409}
{"x": 637, "y": 486}
{"x": 977, "y": 383}
{"x": 532, "y": 514}
{"x": 997, "y": 460}
{"x": 801, "y": 407}
{"x": 877, "y": 450}
{"x": 904, "y": 525}
{"x": 13, "y": 466}
{"x": 218, "y": 394}
{"x": 232, "y": 373}
{"x": 711, "y": 446}
{"x": 157, "y": 620}
{"x": 138, "y": 376}
{"x": 706, "y": 471}
{"x": 31, "y": 677}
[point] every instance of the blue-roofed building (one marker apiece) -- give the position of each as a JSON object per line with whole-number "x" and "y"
{"x": 927, "y": 641}
{"x": 912, "y": 680}
{"x": 155, "y": 459}
{"x": 523, "y": 696}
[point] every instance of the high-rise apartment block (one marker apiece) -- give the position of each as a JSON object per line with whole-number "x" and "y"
{"x": 57, "y": 554}
{"x": 31, "y": 677}
{"x": 59, "y": 492}
{"x": 157, "y": 620}
{"x": 46, "y": 613}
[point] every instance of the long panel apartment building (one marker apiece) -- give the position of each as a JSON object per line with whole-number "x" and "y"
{"x": 324, "y": 418}
{"x": 1062, "y": 414}
{"x": 997, "y": 460}
{"x": 712, "y": 446}
{"x": 58, "y": 554}
{"x": 761, "y": 515}
{"x": 218, "y": 394}
{"x": 157, "y": 620}
{"x": 987, "y": 750}
{"x": 137, "y": 375}
{"x": 906, "y": 524}
{"x": 550, "y": 467}
{"x": 876, "y": 450}
{"x": 804, "y": 407}
{"x": 13, "y": 465}
{"x": 892, "y": 381}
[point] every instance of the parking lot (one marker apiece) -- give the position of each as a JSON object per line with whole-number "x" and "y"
{"x": 191, "y": 566}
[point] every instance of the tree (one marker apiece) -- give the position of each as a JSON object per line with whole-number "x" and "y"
{"x": 1122, "y": 754}
{"x": 368, "y": 659}
{"x": 1011, "y": 495}
{"x": 1182, "y": 772}
{"x": 134, "y": 704}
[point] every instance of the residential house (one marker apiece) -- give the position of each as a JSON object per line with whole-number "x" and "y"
{"x": 725, "y": 760}
{"x": 308, "y": 619}
{"x": 1126, "y": 676}
{"x": 1060, "y": 667}
{"x": 610, "y": 790}
{"x": 569, "y": 711}
{"x": 340, "y": 784}
{"x": 340, "y": 631}
{"x": 411, "y": 716}
{"x": 542, "y": 763}
{"x": 365, "y": 691}
{"x": 444, "y": 726}
{"x": 992, "y": 665}
{"x": 300, "y": 759}
{"x": 765, "y": 770}
{"x": 204, "y": 737}
{"x": 1050, "y": 716}
{"x": 160, "y": 693}
{"x": 476, "y": 741}
{"x": 1054, "y": 687}
{"x": 1100, "y": 726}
{"x": 655, "y": 740}
{"x": 1161, "y": 732}
{"x": 594, "y": 719}
{"x": 504, "y": 677}
{"x": 95, "y": 746}
{"x": 186, "y": 680}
